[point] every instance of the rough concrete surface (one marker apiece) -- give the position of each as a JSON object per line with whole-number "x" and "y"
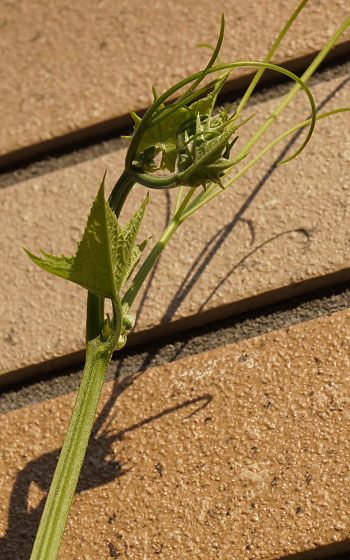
{"x": 275, "y": 228}
{"x": 65, "y": 67}
{"x": 241, "y": 452}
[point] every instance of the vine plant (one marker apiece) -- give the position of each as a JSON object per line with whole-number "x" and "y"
{"x": 184, "y": 145}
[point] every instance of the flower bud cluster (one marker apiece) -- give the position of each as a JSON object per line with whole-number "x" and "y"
{"x": 189, "y": 142}
{"x": 203, "y": 148}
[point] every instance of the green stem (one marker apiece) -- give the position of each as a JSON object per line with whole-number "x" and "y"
{"x": 54, "y": 518}
{"x": 94, "y": 316}
{"x": 148, "y": 264}
{"x": 178, "y": 199}
{"x": 59, "y": 499}
{"x": 120, "y": 192}
{"x": 181, "y": 208}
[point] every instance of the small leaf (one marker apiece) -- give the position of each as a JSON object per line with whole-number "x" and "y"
{"x": 130, "y": 253}
{"x": 162, "y": 131}
{"x": 137, "y": 121}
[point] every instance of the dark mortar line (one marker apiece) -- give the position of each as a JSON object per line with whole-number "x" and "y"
{"x": 177, "y": 346}
{"x": 103, "y": 138}
{"x": 166, "y": 327}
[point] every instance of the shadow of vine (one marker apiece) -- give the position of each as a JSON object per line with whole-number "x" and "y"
{"x": 100, "y": 467}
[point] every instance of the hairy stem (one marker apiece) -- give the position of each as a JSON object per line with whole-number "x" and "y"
{"x": 120, "y": 192}
{"x": 54, "y": 518}
{"x": 59, "y": 499}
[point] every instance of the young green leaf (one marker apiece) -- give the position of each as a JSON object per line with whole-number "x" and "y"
{"x": 105, "y": 254}
{"x": 130, "y": 253}
{"x": 161, "y": 137}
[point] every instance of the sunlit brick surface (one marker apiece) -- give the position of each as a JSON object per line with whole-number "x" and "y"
{"x": 65, "y": 66}
{"x": 241, "y": 452}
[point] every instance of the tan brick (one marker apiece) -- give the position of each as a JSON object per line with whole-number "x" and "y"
{"x": 295, "y": 230}
{"x": 67, "y": 66}
{"x": 239, "y": 452}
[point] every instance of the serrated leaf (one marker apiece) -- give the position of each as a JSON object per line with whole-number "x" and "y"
{"x": 92, "y": 266}
{"x": 104, "y": 254}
